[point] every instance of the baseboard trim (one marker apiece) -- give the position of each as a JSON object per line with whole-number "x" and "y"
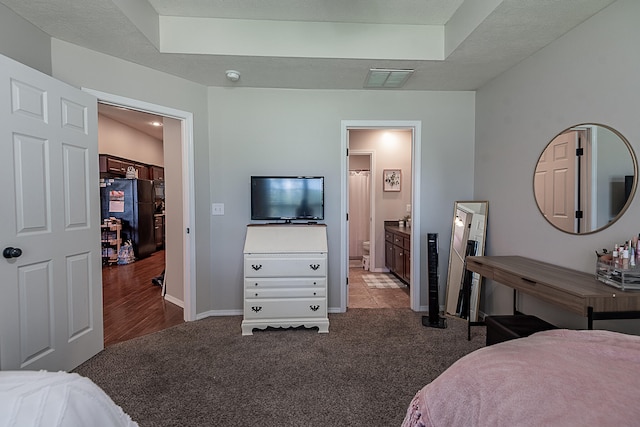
{"x": 212, "y": 313}
{"x": 175, "y": 301}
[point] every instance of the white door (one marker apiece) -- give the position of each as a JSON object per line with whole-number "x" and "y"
{"x": 51, "y": 293}
{"x": 476, "y": 232}
{"x": 555, "y": 181}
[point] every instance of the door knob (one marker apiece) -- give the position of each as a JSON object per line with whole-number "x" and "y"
{"x": 11, "y": 252}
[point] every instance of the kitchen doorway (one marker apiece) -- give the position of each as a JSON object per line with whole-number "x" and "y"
{"x": 179, "y": 286}
{"x": 131, "y": 151}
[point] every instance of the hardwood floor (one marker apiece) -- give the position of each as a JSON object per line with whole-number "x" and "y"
{"x": 133, "y": 306}
{"x": 362, "y": 296}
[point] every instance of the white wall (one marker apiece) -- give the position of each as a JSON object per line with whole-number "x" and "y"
{"x": 85, "y": 68}
{"x": 271, "y": 131}
{"x": 589, "y": 75}
{"x": 120, "y": 140}
{"x": 174, "y": 235}
{"x": 23, "y": 41}
{"x": 392, "y": 151}
{"x": 263, "y": 131}
{"x": 611, "y": 173}
{"x": 359, "y": 162}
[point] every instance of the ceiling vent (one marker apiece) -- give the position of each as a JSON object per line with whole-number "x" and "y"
{"x": 385, "y": 78}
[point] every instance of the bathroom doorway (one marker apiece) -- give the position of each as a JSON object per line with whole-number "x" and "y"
{"x": 371, "y": 152}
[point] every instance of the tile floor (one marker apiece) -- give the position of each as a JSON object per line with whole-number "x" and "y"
{"x": 362, "y": 296}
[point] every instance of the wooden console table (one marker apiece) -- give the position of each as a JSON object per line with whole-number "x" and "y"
{"x": 575, "y": 291}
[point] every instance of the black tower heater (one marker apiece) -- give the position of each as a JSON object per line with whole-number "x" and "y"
{"x": 433, "y": 320}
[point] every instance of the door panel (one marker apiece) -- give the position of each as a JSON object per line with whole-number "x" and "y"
{"x": 33, "y": 210}
{"x": 35, "y": 292}
{"x": 555, "y": 181}
{"x": 51, "y": 305}
{"x": 76, "y": 194}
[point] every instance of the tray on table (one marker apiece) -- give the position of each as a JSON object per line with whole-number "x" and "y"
{"x": 615, "y": 275}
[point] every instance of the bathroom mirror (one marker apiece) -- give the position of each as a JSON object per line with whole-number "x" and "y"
{"x": 468, "y": 235}
{"x": 585, "y": 178}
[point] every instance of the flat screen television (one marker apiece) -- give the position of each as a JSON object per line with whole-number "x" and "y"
{"x": 287, "y": 198}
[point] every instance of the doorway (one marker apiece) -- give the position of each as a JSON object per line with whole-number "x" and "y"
{"x": 371, "y": 285}
{"x": 131, "y": 150}
{"x": 179, "y": 183}
{"x": 404, "y": 204}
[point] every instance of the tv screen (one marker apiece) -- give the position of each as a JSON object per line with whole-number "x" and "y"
{"x": 287, "y": 198}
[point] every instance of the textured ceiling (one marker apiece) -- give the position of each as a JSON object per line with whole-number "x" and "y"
{"x": 511, "y": 31}
{"x": 431, "y": 12}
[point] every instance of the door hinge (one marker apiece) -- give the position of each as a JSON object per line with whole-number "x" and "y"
{"x": 579, "y": 151}
{"x": 347, "y": 152}
{"x": 347, "y": 281}
{"x": 578, "y": 214}
{"x": 347, "y": 216}
{"x": 187, "y": 230}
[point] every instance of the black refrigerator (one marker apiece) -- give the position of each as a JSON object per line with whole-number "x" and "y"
{"x": 132, "y": 201}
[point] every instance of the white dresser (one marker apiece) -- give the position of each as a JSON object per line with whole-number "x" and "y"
{"x": 285, "y": 277}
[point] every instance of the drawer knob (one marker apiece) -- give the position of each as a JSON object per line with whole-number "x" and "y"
{"x": 314, "y": 307}
{"x": 256, "y": 284}
{"x": 256, "y": 267}
{"x": 256, "y": 294}
{"x": 314, "y": 267}
{"x": 314, "y": 293}
{"x": 256, "y": 309}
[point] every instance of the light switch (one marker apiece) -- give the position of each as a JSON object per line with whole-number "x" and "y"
{"x": 217, "y": 208}
{"x": 409, "y": 207}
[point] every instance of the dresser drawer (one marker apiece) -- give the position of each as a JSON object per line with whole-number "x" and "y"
{"x": 281, "y": 282}
{"x": 284, "y": 293}
{"x": 285, "y": 308}
{"x": 290, "y": 266}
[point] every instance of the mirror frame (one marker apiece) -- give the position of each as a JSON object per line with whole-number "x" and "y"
{"x": 627, "y": 203}
{"x": 456, "y": 287}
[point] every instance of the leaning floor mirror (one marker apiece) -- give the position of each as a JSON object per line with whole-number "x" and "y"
{"x": 468, "y": 235}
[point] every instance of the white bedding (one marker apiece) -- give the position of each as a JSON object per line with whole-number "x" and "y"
{"x": 60, "y": 399}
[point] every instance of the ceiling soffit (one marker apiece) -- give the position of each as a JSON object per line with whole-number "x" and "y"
{"x": 306, "y": 44}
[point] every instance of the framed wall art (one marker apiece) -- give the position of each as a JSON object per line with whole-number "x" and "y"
{"x": 392, "y": 179}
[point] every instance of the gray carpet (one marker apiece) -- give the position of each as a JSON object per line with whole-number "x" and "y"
{"x": 205, "y": 373}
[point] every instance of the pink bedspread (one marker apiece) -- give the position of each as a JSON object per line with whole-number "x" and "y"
{"x": 552, "y": 378}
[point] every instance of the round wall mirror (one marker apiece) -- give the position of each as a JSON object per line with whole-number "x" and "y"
{"x": 585, "y": 178}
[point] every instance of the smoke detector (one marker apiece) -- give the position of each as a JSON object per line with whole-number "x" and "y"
{"x": 233, "y": 75}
